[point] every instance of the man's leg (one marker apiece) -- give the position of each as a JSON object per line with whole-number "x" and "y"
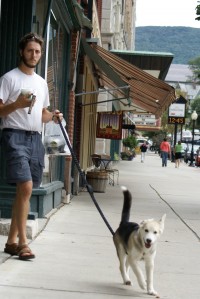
{"x": 20, "y": 213}
{"x": 166, "y": 158}
{"x": 163, "y": 159}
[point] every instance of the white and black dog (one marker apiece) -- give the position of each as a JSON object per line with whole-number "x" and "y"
{"x": 135, "y": 242}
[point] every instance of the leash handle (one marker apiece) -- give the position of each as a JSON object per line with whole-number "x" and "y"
{"x": 88, "y": 186}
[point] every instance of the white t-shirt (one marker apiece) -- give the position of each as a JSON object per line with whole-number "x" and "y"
{"x": 10, "y": 87}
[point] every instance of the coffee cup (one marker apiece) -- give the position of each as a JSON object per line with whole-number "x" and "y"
{"x": 27, "y": 92}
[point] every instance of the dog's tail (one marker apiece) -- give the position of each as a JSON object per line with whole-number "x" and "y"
{"x": 127, "y": 205}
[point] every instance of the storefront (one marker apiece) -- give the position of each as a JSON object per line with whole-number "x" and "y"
{"x": 56, "y": 22}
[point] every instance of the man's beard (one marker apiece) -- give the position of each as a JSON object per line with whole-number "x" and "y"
{"x": 27, "y": 64}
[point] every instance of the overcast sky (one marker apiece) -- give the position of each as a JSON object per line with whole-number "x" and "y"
{"x": 167, "y": 13}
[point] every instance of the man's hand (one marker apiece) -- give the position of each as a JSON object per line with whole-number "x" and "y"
{"x": 23, "y": 101}
{"x": 57, "y": 114}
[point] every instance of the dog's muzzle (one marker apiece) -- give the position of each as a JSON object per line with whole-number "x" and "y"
{"x": 147, "y": 243}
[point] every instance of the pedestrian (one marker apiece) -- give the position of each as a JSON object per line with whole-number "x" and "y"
{"x": 143, "y": 149}
{"x": 21, "y": 136}
{"x": 178, "y": 154}
{"x": 165, "y": 151}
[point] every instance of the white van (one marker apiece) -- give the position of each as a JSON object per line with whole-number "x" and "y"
{"x": 141, "y": 140}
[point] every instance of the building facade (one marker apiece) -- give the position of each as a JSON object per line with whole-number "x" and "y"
{"x": 117, "y": 33}
{"x": 118, "y": 24}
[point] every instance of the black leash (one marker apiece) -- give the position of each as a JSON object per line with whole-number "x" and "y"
{"x": 89, "y": 187}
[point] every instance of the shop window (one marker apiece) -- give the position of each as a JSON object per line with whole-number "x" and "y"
{"x": 49, "y": 22}
{"x": 55, "y": 81}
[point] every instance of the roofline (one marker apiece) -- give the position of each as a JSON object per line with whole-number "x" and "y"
{"x": 128, "y": 52}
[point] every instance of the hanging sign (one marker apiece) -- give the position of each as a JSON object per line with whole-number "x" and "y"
{"x": 109, "y": 125}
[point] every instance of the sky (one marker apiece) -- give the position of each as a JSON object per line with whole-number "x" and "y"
{"x": 167, "y": 13}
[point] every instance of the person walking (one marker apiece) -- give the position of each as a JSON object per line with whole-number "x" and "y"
{"x": 143, "y": 149}
{"x": 21, "y": 136}
{"x": 165, "y": 151}
{"x": 178, "y": 154}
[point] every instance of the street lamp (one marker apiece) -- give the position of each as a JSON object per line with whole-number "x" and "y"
{"x": 193, "y": 117}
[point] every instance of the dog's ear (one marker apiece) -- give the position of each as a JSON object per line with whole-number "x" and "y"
{"x": 162, "y": 223}
{"x": 143, "y": 222}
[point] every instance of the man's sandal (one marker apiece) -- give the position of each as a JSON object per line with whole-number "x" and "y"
{"x": 11, "y": 249}
{"x": 25, "y": 253}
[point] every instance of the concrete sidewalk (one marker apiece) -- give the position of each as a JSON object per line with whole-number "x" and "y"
{"x": 75, "y": 255}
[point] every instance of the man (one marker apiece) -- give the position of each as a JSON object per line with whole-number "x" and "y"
{"x": 165, "y": 151}
{"x": 21, "y": 136}
{"x": 143, "y": 149}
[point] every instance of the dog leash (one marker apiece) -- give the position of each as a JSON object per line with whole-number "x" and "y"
{"x": 88, "y": 186}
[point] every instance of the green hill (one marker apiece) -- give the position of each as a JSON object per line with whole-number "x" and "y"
{"x": 183, "y": 42}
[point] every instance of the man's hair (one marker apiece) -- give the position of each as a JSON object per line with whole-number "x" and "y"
{"x": 165, "y": 139}
{"x": 29, "y": 37}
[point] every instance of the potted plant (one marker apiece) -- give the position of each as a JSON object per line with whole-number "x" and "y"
{"x": 127, "y": 155}
{"x": 130, "y": 142}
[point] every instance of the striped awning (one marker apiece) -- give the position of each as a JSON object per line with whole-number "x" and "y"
{"x": 146, "y": 92}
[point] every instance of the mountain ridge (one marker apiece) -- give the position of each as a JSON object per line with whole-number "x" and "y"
{"x": 182, "y": 42}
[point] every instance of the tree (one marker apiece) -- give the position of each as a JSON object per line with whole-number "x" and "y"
{"x": 198, "y": 11}
{"x": 194, "y": 66}
{"x": 196, "y": 106}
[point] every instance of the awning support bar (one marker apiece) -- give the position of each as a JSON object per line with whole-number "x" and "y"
{"x": 103, "y": 90}
{"x": 96, "y": 103}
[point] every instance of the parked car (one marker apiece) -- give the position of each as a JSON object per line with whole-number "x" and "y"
{"x": 197, "y": 159}
{"x": 154, "y": 147}
{"x": 184, "y": 147}
{"x": 187, "y": 156}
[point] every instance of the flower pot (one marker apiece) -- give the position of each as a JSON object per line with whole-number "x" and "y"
{"x": 98, "y": 180}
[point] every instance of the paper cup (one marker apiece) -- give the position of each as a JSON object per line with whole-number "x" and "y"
{"x": 27, "y": 92}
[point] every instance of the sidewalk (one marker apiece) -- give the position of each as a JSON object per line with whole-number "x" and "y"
{"x": 75, "y": 255}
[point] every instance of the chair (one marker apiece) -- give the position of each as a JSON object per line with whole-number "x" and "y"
{"x": 113, "y": 172}
{"x": 96, "y": 159}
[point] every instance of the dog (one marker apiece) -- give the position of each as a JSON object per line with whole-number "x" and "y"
{"x": 135, "y": 242}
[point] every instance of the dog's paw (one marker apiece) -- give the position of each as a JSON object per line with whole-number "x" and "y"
{"x": 128, "y": 283}
{"x": 143, "y": 285}
{"x": 153, "y": 293}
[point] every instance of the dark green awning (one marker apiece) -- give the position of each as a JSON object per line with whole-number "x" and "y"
{"x": 156, "y": 63}
{"x": 84, "y": 22}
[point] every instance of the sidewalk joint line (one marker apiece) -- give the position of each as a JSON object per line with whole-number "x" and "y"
{"x": 184, "y": 222}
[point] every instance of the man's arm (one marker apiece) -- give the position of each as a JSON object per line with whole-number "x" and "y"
{"x": 7, "y": 109}
{"x": 21, "y": 102}
{"x": 48, "y": 116}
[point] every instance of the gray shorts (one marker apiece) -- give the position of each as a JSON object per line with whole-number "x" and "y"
{"x": 24, "y": 155}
